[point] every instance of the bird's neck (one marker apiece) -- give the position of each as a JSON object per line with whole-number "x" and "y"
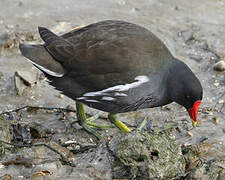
{"x": 179, "y": 76}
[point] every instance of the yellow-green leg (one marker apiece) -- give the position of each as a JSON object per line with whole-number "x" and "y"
{"x": 83, "y": 120}
{"x": 88, "y": 125}
{"x": 113, "y": 118}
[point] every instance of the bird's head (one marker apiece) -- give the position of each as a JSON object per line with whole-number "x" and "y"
{"x": 191, "y": 101}
{"x": 185, "y": 89}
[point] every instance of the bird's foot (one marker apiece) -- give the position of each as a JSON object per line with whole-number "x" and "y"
{"x": 89, "y": 128}
{"x": 113, "y": 118}
{"x": 87, "y": 123}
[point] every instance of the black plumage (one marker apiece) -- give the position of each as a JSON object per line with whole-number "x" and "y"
{"x": 114, "y": 66}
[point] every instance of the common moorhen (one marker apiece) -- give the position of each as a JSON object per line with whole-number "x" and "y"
{"x": 114, "y": 66}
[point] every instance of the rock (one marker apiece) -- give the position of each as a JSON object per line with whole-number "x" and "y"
{"x": 187, "y": 35}
{"x": 196, "y": 58}
{"x": 219, "y": 66}
{"x": 135, "y": 9}
{"x": 190, "y": 134}
{"x": 146, "y": 155}
{"x": 29, "y": 78}
{"x": 24, "y": 79}
{"x": 61, "y": 96}
{"x": 216, "y": 84}
{"x": 216, "y": 120}
{"x": 71, "y": 107}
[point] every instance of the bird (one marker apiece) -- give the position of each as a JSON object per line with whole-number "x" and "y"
{"x": 114, "y": 66}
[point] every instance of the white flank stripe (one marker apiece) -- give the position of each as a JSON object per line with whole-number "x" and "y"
{"x": 105, "y": 98}
{"x": 100, "y": 93}
{"x": 81, "y": 98}
{"x": 139, "y": 80}
{"x": 120, "y": 94}
{"x": 91, "y": 100}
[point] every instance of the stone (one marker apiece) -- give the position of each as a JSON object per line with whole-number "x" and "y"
{"x": 25, "y": 79}
{"x": 146, "y": 154}
{"x": 61, "y": 96}
{"x": 187, "y": 35}
{"x": 216, "y": 120}
{"x": 190, "y": 134}
{"x": 219, "y": 66}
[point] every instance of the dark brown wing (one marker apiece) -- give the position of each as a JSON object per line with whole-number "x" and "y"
{"x": 106, "y": 47}
{"x": 107, "y": 52}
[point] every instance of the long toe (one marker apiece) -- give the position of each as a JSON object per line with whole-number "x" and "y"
{"x": 120, "y": 125}
{"x": 89, "y": 129}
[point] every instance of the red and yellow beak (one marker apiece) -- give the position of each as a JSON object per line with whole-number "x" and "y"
{"x": 193, "y": 112}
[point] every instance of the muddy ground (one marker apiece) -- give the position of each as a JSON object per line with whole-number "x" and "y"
{"x": 194, "y": 31}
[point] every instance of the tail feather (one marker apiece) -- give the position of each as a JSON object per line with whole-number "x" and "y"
{"x": 47, "y": 36}
{"x": 61, "y": 49}
{"x": 41, "y": 58}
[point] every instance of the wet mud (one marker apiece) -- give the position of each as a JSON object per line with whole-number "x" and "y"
{"x": 194, "y": 31}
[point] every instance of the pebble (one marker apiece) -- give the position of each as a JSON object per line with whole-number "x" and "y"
{"x": 176, "y": 8}
{"x": 190, "y": 134}
{"x": 204, "y": 45}
{"x": 58, "y": 131}
{"x": 173, "y": 137}
{"x": 71, "y": 114}
{"x": 70, "y": 107}
{"x": 70, "y": 142}
{"x": 216, "y": 84}
{"x": 216, "y": 120}
{"x": 122, "y": 2}
{"x": 196, "y": 58}
{"x": 135, "y": 9}
{"x": 77, "y": 147}
{"x": 219, "y": 66}
{"x": 221, "y": 101}
{"x": 179, "y": 129}
{"x": 210, "y": 113}
{"x": 187, "y": 35}
{"x": 61, "y": 96}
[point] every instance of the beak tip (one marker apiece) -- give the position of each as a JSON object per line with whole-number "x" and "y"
{"x": 194, "y": 123}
